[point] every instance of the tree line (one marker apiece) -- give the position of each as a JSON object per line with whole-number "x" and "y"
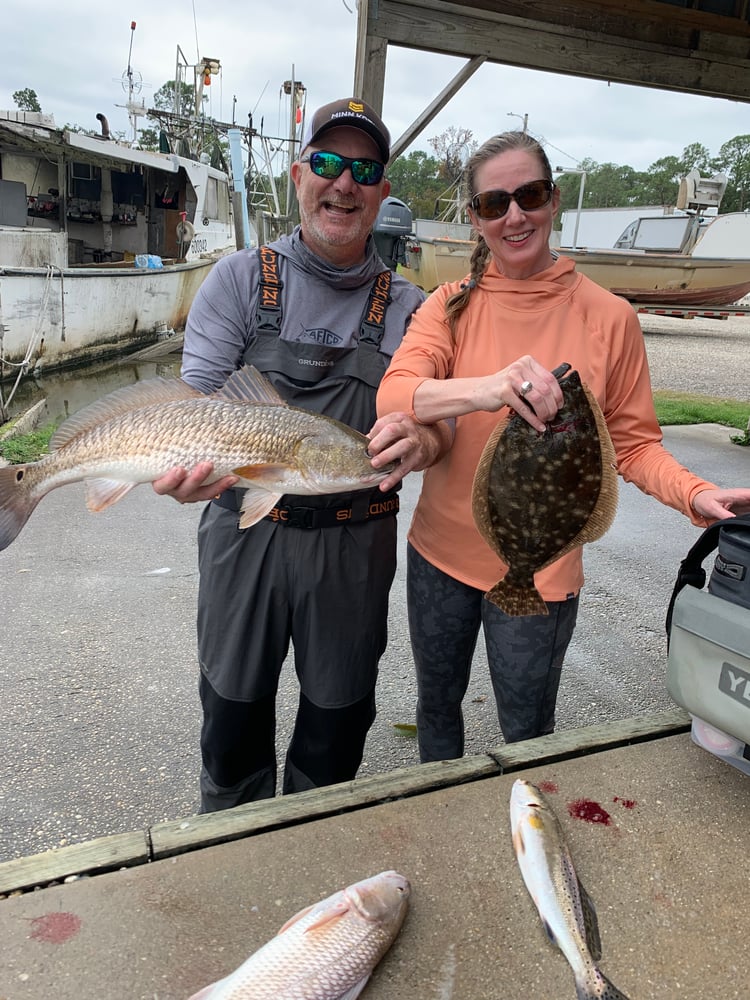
{"x": 430, "y": 184}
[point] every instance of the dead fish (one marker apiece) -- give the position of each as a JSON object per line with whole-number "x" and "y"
{"x": 565, "y": 907}
{"x": 327, "y": 951}
{"x": 536, "y": 496}
{"x": 136, "y": 434}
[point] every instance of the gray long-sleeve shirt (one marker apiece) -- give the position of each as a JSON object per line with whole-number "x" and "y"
{"x": 321, "y": 304}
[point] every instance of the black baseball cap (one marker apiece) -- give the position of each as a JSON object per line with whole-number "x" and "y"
{"x": 348, "y": 113}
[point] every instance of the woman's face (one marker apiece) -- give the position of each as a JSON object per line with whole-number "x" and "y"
{"x": 519, "y": 241}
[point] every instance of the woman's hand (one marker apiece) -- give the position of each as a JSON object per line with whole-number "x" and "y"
{"x": 437, "y": 399}
{"x": 526, "y": 386}
{"x": 717, "y": 505}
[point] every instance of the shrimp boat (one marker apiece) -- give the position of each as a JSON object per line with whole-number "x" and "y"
{"x": 103, "y": 246}
{"x": 683, "y": 258}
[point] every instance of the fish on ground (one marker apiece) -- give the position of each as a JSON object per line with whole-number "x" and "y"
{"x": 327, "y": 951}
{"x": 537, "y": 496}
{"x": 138, "y": 433}
{"x": 565, "y": 907}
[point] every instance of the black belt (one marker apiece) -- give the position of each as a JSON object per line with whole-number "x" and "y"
{"x": 351, "y": 511}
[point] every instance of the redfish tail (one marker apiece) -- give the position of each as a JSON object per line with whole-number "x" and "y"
{"x": 516, "y": 601}
{"x": 16, "y": 504}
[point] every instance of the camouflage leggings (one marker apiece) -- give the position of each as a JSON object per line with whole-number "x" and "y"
{"x": 525, "y": 657}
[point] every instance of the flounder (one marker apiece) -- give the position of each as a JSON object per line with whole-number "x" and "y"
{"x": 536, "y": 496}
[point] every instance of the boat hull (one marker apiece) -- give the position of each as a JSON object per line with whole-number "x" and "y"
{"x": 56, "y": 318}
{"x": 648, "y": 278}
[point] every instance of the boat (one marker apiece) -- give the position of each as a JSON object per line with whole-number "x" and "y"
{"x": 103, "y": 245}
{"x": 684, "y": 257}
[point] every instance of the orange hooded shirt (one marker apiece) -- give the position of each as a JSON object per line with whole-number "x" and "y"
{"x": 556, "y": 316}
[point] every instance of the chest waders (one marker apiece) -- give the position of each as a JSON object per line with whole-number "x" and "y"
{"x": 303, "y": 573}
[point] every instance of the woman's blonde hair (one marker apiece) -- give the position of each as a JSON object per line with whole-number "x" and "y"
{"x": 480, "y": 257}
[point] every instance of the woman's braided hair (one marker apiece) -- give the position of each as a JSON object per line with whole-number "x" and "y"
{"x": 480, "y": 257}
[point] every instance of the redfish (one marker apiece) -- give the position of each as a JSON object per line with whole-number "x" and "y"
{"x": 327, "y": 951}
{"x": 136, "y": 434}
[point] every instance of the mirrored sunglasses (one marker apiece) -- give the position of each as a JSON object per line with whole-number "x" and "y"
{"x": 495, "y": 204}
{"x": 332, "y": 165}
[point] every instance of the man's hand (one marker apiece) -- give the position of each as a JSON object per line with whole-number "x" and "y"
{"x": 397, "y": 437}
{"x": 193, "y": 486}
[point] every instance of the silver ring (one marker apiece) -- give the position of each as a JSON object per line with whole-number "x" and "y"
{"x": 525, "y": 389}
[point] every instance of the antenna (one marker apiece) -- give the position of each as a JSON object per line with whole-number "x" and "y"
{"x": 132, "y": 83}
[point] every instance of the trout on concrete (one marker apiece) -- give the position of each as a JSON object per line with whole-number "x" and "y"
{"x": 327, "y": 951}
{"x": 565, "y": 907}
{"x": 537, "y": 496}
{"x": 136, "y": 434}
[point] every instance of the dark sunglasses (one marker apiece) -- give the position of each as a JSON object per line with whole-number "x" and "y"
{"x": 495, "y": 204}
{"x": 331, "y": 166}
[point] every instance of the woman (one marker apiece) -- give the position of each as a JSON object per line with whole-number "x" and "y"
{"x": 472, "y": 348}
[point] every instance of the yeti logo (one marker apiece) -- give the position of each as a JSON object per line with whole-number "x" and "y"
{"x": 735, "y": 683}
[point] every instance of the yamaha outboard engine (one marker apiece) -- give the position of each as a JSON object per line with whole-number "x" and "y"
{"x": 392, "y": 228}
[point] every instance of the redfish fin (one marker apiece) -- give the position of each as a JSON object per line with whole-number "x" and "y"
{"x": 120, "y": 401}
{"x": 205, "y": 992}
{"x": 354, "y": 992}
{"x": 103, "y": 493}
{"x": 326, "y": 916}
{"x": 256, "y": 504}
{"x": 247, "y": 385}
{"x": 516, "y": 601}
{"x": 15, "y": 504}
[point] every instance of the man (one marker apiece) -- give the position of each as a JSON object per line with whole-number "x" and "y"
{"x": 320, "y": 314}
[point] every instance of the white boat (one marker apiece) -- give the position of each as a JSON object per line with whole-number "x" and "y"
{"x": 683, "y": 258}
{"x": 102, "y": 246}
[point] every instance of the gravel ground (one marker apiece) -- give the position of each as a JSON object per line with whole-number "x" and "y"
{"x": 707, "y": 356}
{"x": 101, "y": 716}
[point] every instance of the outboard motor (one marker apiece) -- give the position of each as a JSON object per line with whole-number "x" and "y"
{"x": 392, "y": 228}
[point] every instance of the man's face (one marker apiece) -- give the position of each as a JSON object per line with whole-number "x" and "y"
{"x": 337, "y": 215}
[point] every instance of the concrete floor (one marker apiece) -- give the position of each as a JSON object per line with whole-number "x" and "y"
{"x": 667, "y": 873}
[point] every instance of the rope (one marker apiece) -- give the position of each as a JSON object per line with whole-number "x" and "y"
{"x": 23, "y": 366}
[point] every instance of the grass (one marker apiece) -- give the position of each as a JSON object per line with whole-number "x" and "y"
{"x": 671, "y": 408}
{"x": 26, "y": 447}
{"x": 686, "y": 408}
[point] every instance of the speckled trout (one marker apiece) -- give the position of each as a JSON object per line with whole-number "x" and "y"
{"x": 327, "y": 951}
{"x": 138, "y": 433}
{"x": 565, "y": 907}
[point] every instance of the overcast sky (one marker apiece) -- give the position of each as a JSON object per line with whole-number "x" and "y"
{"x": 74, "y": 55}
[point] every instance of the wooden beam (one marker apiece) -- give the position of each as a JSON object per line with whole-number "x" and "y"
{"x": 445, "y": 28}
{"x": 407, "y": 138}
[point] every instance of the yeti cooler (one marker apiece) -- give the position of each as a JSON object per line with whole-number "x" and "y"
{"x": 708, "y": 663}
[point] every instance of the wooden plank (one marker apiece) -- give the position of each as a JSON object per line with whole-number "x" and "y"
{"x": 627, "y": 15}
{"x": 706, "y": 63}
{"x": 177, "y": 836}
{"x": 102, "y": 854}
{"x": 571, "y": 743}
{"x": 197, "y": 832}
